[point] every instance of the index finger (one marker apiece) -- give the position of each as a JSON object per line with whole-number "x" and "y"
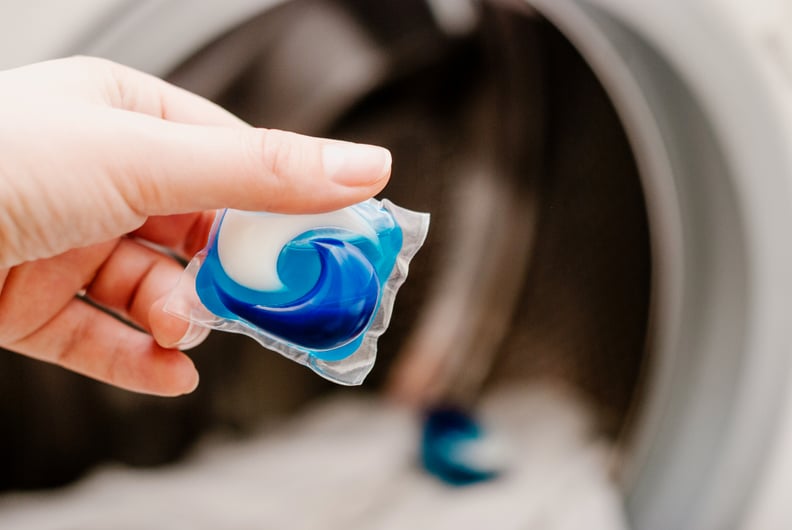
{"x": 184, "y": 234}
{"x": 136, "y": 91}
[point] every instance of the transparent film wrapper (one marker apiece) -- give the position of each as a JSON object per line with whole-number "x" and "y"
{"x": 318, "y": 289}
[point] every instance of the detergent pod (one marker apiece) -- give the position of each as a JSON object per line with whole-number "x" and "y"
{"x": 318, "y": 288}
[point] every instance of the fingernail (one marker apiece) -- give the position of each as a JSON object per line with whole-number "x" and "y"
{"x": 355, "y": 164}
{"x": 194, "y": 336}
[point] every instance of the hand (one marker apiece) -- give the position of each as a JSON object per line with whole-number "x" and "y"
{"x": 94, "y": 158}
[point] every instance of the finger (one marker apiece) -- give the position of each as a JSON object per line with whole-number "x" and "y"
{"x": 284, "y": 156}
{"x": 184, "y": 234}
{"x": 102, "y": 81}
{"x": 133, "y": 90}
{"x": 170, "y": 331}
{"x": 93, "y": 343}
{"x": 36, "y": 290}
{"x": 175, "y": 168}
{"x": 132, "y": 280}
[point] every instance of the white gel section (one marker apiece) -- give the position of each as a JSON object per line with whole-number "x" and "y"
{"x": 249, "y": 243}
{"x": 483, "y": 454}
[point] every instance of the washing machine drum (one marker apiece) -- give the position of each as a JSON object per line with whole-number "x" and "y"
{"x": 596, "y": 214}
{"x": 597, "y": 217}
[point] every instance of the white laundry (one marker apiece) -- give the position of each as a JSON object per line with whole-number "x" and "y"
{"x": 349, "y": 463}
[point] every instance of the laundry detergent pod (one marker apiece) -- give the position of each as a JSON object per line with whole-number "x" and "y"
{"x": 318, "y": 288}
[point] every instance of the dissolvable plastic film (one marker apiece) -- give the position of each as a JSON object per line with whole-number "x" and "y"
{"x": 318, "y": 289}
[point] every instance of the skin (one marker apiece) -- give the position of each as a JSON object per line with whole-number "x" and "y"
{"x": 98, "y": 161}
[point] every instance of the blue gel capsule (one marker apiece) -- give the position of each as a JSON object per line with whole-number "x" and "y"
{"x": 457, "y": 450}
{"x": 313, "y": 282}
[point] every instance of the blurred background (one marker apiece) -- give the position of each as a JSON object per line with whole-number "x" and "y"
{"x": 602, "y": 300}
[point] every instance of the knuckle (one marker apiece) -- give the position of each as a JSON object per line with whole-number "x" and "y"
{"x": 93, "y": 66}
{"x": 88, "y": 61}
{"x": 108, "y": 74}
{"x": 67, "y": 346}
{"x": 111, "y": 371}
{"x": 278, "y": 153}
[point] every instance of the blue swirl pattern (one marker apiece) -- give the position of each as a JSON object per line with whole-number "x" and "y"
{"x": 332, "y": 281}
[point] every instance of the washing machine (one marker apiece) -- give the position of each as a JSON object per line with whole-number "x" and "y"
{"x": 697, "y": 99}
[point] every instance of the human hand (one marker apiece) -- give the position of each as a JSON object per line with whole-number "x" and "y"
{"x": 94, "y": 158}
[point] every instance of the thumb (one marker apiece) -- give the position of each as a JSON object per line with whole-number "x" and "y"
{"x": 179, "y": 168}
